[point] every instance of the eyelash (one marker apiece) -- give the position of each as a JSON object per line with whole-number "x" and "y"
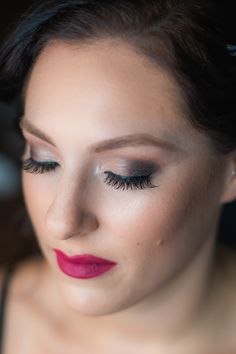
{"x": 134, "y": 182}
{"x": 37, "y": 167}
{"x": 130, "y": 182}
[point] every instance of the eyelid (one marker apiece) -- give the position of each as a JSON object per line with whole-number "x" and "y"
{"x": 129, "y": 168}
{"x": 35, "y": 142}
{"x": 134, "y": 167}
{"x": 43, "y": 154}
{"x": 141, "y": 168}
{"x": 140, "y": 182}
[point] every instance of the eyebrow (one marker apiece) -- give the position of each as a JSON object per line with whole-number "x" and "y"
{"x": 110, "y": 144}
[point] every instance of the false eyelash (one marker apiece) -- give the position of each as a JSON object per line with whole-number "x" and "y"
{"x": 33, "y": 166}
{"x": 134, "y": 182}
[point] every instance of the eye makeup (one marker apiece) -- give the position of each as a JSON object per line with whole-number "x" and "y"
{"x": 133, "y": 182}
{"x": 38, "y": 167}
{"x": 39, "y": 161}
{"x": 140, "y": 168}
{"x": 137, "y": 176}
{"x": 138, "y": 173}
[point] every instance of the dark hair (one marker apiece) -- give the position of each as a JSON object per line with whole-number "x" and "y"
{"x": 186, "y": 37}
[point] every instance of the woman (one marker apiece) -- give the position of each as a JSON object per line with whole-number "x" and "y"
{"x": 128, "y": 118}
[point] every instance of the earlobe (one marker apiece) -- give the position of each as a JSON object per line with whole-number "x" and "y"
{"x": 229, "y": 194}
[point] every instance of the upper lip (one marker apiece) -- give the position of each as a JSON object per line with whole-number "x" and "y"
{"x": 83, "y": 258}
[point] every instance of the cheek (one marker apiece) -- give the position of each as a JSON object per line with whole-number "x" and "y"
{"x": 156, "y": 234}
{"x": 37, "y": 197}
{"x": 163, "y": 224}
{"x": 149, "y": 217}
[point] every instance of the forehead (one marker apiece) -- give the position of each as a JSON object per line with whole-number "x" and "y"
{"x": 104, "y": 85}
{"x": 104, "y": 66}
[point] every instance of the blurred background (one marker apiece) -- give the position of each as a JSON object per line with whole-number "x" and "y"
{"x": 14, "y": 222}
{"x": 13, "y": 219}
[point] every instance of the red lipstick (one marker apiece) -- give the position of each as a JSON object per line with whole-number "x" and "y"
{"x": 83, "y": 266}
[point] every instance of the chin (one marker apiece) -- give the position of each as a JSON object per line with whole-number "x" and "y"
{"x": 92, "y": 303}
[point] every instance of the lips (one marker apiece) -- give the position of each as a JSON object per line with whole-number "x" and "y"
{"x": 83, "y": 266}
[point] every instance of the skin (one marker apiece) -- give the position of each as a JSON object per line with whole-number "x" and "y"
{"x": 162, "y": 238}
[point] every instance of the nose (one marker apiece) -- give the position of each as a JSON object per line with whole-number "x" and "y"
{"x": 69, "y": 215}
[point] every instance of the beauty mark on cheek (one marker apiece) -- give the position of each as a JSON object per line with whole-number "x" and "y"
{"x": 159, "y": 243}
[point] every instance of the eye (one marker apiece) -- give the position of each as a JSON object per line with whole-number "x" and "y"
{"x": 131, "y": 182}
{"x": 39, "y": 167}
{"x": 124, "y": 182}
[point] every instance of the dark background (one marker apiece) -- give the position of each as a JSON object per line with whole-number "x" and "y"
{"x": 13, "y": 218}
{"x": 11, "y": 201}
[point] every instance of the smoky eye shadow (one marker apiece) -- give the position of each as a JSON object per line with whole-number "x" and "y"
{"x": 140, "y": 168}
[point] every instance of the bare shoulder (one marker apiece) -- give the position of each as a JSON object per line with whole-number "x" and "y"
{"x": 22, "y": 271}
{"x": 26, "y": 276}
{"x": 20, "y": 315}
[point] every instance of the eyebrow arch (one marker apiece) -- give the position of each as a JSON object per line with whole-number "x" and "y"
{"x": 110, "y": 144}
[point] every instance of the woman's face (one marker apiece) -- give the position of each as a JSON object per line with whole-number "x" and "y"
{"x": 79, "y": 101}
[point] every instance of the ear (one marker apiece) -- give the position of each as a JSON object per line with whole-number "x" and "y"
{"x": 229, "y": 192}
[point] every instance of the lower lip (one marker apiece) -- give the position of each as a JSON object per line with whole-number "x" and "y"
{"x": 82, "y": 271}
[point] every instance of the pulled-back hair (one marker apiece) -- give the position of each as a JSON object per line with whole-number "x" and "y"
{"x": 185, "y": 37}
